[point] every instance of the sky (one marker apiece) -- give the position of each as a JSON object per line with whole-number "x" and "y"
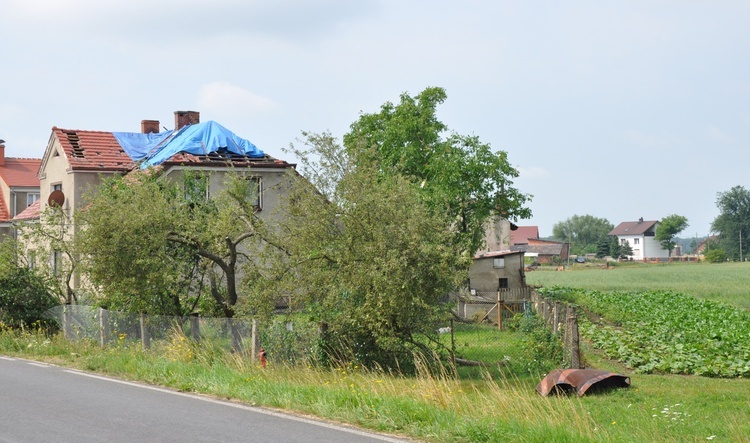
{"x": 616, "y": 109}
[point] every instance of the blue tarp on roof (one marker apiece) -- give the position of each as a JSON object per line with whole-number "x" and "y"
{"x": 198, "y": 139}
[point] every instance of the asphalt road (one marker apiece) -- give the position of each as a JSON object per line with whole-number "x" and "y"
{"x": 46, "y": 403}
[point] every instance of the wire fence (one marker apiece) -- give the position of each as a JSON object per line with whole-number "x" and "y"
{"x": 500, "y": 336}
{"x": 283, "y": 339}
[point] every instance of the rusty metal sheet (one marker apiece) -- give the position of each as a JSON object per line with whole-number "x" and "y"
{"x": 580, "y": 381}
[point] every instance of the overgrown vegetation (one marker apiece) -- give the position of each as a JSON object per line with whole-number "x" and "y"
{"x": 431, "y": 406}
{"x": 664, "y": 331}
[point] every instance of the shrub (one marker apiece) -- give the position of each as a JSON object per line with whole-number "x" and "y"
{"x": 716, "y": 256}
{"x": 24, "y": 297}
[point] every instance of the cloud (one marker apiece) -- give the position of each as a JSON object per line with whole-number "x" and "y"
{"x": 533, "y": 172}
{"x": 717, "y": 134}
{"x": 223, "y": 97}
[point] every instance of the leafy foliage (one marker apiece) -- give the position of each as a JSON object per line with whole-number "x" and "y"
{"x": 716, "y": 256}
{"x": 668, "y": 228}
{"x": 25, "y": 293}
{"x": 372, "y": 262}
{"x": 733, "y": 222}
{"x": 666, "y": 332}
{"x": 584, "y": 232}
{"x": 458, "y": 174}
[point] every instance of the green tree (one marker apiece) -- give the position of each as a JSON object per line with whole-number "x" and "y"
{"x": 603, "y": 248}
{"x": 733, "y": 221}
{"x": 460, "y": 175}
{"x": 614, "y": 247}
{"x": 172, "y": 242}
{"x": 584, "y": 232}
{"x": 371, "y": 260}
{"x": 25, "y": 293}
{"x": 668, "y": 228}
{"x": 625, "y": 249}
{"x": 53, "y": 235}
{"x": 134, "y": 266}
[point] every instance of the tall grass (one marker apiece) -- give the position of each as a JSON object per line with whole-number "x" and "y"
{"x": 433, "y": 406}
{"x": 723, "y": 282}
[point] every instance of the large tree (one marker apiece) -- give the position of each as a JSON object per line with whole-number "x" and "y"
{"x": 584, "y": 232}
{"x": 172, "y": 243}
{"x": 370, "y": 259}
{"x": 459, "y": 174}
{"x": 733, "y": 221}
{"x": 668, "y": 228}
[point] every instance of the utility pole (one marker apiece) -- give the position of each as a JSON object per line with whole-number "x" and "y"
{"x": 740, "y": 245}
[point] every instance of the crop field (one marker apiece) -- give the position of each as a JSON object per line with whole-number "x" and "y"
{"x": 724, "y": 282}
{"x": 665, "y": 332}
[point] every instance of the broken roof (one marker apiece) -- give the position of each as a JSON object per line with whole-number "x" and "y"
{"x": 199, "y": 139}
{"x": 208, "y": 144}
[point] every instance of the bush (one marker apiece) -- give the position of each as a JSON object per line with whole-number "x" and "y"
{"x": 716, "y": 256}
{"x": 24, "y": 297}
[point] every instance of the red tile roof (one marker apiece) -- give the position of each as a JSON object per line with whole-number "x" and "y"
{"x": 92, "y": 150}
{"x": 20, "y": 172}
{"x": 4, "y": 214}
{"x": 523, "y": 234}
{"x": 30, "y": 213}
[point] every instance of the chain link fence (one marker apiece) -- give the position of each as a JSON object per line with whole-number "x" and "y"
{"x": 504, "y": 336}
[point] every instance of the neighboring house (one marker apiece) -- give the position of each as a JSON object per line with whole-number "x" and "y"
{"x": 19, "y": 188}
{"x": 522, "y": 235}
{"x": 497, "y": 234}
{"x": 497, "y": 271}
{"x": 76, "y": 161}
{"x": 641, "y": 236}
{"x": 545, "y": 251}
{"x": 703, "y": 246}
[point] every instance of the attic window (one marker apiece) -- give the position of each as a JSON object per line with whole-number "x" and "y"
{"x": 74, "y": 142}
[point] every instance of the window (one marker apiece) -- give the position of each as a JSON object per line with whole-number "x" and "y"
{"x": 498, "y": 263}
{"x": 56, "y": 262}
{"x": 254, "y": 194}
{"x": 636, "y": 241}
{"x": 195, "y": 185}
{"x": 31, "y": 198}
{"x": 502, "y": 283}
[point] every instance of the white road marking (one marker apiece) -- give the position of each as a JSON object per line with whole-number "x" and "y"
{"x": 244, "y": 407}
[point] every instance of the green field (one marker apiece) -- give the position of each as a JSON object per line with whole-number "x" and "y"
{"x": 723, "y": 282}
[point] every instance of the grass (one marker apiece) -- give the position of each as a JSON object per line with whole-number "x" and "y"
{"x": 432, "y": 407}
{"x": 723, "y": 282}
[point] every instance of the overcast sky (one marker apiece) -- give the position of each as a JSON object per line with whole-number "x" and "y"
{"x": 616, "y": 109}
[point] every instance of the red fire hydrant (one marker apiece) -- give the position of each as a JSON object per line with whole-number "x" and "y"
{"x": 262, "y": 357}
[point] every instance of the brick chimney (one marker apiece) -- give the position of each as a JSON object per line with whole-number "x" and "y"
{"x": 2, "y": 152}
{"x": 184, "y": 118}
{"x": 149, "y": 126}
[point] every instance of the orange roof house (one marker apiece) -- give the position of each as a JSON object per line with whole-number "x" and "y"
{"x": 19, "y": 187}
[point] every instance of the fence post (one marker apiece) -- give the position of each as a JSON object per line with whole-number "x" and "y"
{"x": 499, "y": 313}
{"x": 103, "y": 327}
{"x": 556, "y": 317}
{"x": 575, "y": 351}
{"x": 145, "y": 338}
{"x": 67, "y": 333}
{"x": 195, "y": 331}
{"x": 254, "y": 341}
{"x": 236, "y": 336}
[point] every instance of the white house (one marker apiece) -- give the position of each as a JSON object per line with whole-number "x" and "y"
{"x": 641, "y": 235}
